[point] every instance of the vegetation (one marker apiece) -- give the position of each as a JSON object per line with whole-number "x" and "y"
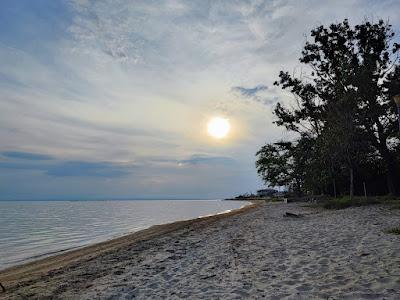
{"x": 395, "y": 205}
{"x": 345, "y": 202}
{"x": 246, "y": 196}
{"x": 395, "y": 230}
{"x": 344, "y": 117}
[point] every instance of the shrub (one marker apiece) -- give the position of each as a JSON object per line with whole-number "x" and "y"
{"x": 394, "y": 230}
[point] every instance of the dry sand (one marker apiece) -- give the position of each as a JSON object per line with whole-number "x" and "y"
{"x": 256, "y": 254}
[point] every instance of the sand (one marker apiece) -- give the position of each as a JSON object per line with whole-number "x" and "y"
{"x": 258, "y": 253}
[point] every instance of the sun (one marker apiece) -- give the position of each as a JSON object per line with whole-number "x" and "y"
{"x": 218, "y": 127}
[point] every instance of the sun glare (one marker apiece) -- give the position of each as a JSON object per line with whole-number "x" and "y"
{"x": 218, "y": 127}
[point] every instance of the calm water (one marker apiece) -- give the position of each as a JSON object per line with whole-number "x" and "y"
{"x": 34, "y": 229}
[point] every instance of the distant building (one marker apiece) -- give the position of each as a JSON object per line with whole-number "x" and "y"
{"x": 279, "y": 194}
{"x": 266, "y": 192}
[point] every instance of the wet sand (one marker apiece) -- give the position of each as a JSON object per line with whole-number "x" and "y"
{"x": 255, "y": 253}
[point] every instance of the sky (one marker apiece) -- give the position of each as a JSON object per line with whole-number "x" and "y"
{"x": 111, "y": 99}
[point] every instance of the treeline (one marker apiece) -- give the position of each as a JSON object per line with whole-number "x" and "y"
{"x": 344, "y": 115}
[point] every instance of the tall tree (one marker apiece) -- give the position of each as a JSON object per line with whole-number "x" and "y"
{"x": 346, "y": 95}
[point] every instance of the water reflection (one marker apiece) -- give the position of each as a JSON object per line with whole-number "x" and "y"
{"x": 30, "y": 229}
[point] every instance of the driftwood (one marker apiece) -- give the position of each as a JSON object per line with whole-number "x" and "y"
{"x": 288, "y": 214}
{"x": 2, "y": 288}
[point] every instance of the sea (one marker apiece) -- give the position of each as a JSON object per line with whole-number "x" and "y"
{"x": 30, "y": 230}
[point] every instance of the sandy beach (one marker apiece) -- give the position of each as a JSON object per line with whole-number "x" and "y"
{"x": 255, "y": 253}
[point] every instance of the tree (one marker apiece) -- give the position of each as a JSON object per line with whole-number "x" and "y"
{"x": 292, "y": 164}
{"x": 343, "y": 101}
{"x": 346, "y": 95}
{"x": 274, "y": 163}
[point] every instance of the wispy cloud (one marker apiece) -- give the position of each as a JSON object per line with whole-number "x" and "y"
{"x": 101, "y": 88}
{"x": 50, "y": 166}
{"x": 198, "y": 159}
{"x": 249, "y": 92}
{"x": 256, "y": 93}
{"x": 88, "y": 169}
{"x": 25, "y": 155}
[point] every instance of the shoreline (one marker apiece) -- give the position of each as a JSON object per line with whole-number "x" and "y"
{"x": 245, "y": 254}
{"x": 61, "y": 258}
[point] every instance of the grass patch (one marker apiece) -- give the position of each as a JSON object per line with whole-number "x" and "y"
{"x": 275, "y": 199}
{"x": 392, "y": 202}
{"x": 312, "y": 205}
{"x": 345, "y": 202}
{"x": 395, "y": 205}
{"x": 395, "y": 230}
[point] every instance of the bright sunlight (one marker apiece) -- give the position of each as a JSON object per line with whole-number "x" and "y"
{"x": 218, "y": 127}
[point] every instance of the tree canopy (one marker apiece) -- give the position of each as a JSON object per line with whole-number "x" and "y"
{"x": 344, "y": 114}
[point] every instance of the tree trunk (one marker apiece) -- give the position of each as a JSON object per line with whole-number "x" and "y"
{"x": 351, "y": 183}
{"x": 393, "y": 178}
{"x": 390, "y": 162}
{"x": 334, "y": 187}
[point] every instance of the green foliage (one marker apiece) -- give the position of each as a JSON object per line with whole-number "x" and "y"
{"x": 395, "y": 205}
{"x": 343, "y": 114}
{"x": 346, "y": 202}
{"x": 274, "y": 163}
{"x": 395, "y": 230}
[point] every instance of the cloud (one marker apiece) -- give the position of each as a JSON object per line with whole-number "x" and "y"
{"x": 24, "y": 166}
{"x": 92, "y": 169}
{"x": 199, "y": 159}
{"x": 124, "y": 81}
{"x": 57, "y": 168}
{"x": 255, "y": 94}
{"x": 249, "y": 92}
{"x": 26, "y": 155}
